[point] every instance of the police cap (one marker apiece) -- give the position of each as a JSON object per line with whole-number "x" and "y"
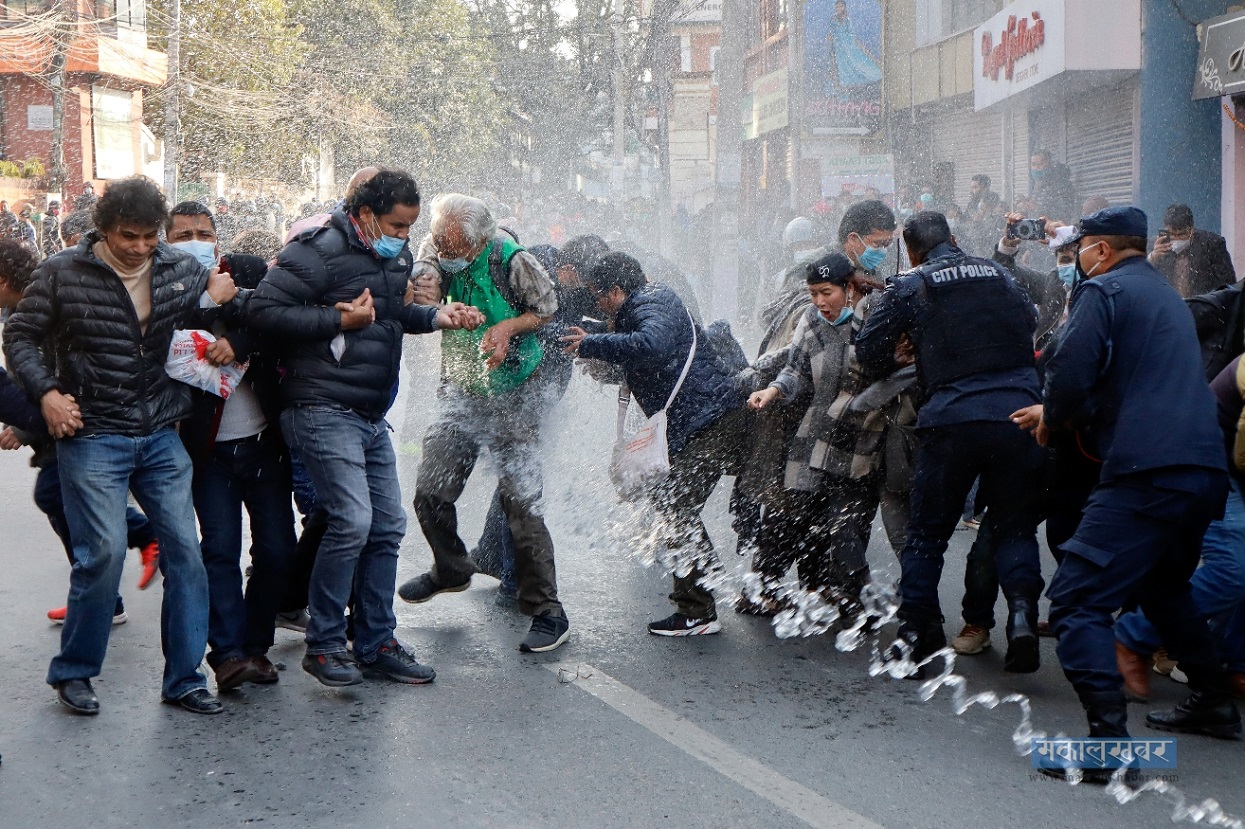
{"x": 1113, "y": 221}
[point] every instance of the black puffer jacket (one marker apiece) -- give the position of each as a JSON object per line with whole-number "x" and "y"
{"x": 651, "y": 339}
{"x": 77, "y": 312}
{"x": 294, "y": 305}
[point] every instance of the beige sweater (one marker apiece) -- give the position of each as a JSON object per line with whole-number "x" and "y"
{"x": 137, "y": 282}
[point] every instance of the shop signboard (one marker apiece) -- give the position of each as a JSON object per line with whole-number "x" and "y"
{"x": 843, "y": 67}
{"x": 767, "y": 105}
{"x": 855, "y": 175}
{"x": 1221, "y": 59}
{"x": 1018, "y": 48}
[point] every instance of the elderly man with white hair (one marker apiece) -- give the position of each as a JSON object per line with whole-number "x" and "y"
{"x": 491, "y": 398}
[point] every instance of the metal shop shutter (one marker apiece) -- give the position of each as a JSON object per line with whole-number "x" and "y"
{"x": 1102, "y": 144}
{"x": 974, "y": 142}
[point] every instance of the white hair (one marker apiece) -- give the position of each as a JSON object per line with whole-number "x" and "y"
{"x": 470, "y": 214}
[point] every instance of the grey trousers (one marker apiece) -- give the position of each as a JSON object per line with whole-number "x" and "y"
{"x": 508, "y": 427}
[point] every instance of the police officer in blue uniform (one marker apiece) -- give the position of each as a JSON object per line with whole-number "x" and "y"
{"x": 971, "y": 331}
{"x": 1126, "y": 376}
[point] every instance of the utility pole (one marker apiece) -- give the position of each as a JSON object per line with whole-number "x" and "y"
{"x": 60, "y": 53}
{"x": 728, "y": 170}
{"x": 618, "y": 172}
{"x": 172, "y": 102}
{"x": 663, "y": 11}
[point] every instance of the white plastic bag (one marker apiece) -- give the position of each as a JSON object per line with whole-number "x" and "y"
{"x": 186, "y": 362}
{"x": 642, "y": 458}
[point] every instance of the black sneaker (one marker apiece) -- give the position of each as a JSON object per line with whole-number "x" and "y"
{"x": 422, "y": 588}
{"x": 676, "y": 624}
{"x": 335, "y": 670}
{"x": 548, "y": 632}
{"x": 396, "y": 662}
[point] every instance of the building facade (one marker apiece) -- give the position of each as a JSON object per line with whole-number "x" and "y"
{"x": 108, "y": 68}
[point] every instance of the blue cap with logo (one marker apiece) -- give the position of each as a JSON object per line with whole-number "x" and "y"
{"x": 1113, "y": 221}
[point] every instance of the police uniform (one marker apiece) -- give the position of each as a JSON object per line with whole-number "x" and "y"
{"x": 1126, "y": 377}
{"x": 972, "y": 330}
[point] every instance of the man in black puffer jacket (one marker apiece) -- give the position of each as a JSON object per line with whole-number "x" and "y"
{"x": 707, "y": 422}
{"x": 89, "y": 341}
{"x": 335, "y": 299}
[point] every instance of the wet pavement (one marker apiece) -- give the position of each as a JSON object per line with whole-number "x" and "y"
{"x": 736, "y": 730}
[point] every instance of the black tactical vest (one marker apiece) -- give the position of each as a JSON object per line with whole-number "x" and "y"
{"x": 974, "y": 321}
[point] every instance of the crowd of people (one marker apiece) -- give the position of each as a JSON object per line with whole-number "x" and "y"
{"x": 1090, "y": 396}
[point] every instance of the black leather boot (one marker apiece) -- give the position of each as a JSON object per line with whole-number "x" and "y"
{"x": 1022, "y": 637}
{"x": 1108, "y": 718}
{"x": 924, "y": 639}
{"x": 1208, "y": 711}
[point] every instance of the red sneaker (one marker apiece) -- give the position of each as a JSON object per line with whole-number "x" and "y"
{"x": 57, "y": 616}
{"x": 150, "y": 556}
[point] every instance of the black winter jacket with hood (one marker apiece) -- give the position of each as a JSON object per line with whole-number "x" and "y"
{"x": 294, "y": 306}
{"x": 76, "y": 331}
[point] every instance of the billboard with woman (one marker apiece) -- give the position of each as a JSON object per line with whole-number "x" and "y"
{"x": 843, "y": 66}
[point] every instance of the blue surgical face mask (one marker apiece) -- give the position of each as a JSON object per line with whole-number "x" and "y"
{"x": 205, "y": 252}
{"x": 844, "y": 315}
{"x": 386, "y": 247}
{"x": 872, "y": 258}
{"x": 453, "y": 265}
{"x": 1067, "y": 274}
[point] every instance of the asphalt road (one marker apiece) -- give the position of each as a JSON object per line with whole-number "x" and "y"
{"x": 615, "y": 729}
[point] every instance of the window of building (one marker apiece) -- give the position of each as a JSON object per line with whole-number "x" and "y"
{"x": 18, "y": 9}
{"x": 958, "y": 15}
{"x": 773, "y": 17}
{"x": 939, "y": 19}
{"x": 131, "y": 14}
{"x": 685, "y": 53}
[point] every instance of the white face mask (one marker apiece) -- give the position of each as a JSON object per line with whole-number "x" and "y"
{"x": 1179, "y": 245}
{"x": 1090, "y": 272}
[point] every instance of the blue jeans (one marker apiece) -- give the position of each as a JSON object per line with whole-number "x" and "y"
{"x": 350, "y": 461}
{"x": 48, "y": 499}
{"x": 1218, "y": 589}
{"x": 252, "y": 472}
{"x": 96, "y": 473}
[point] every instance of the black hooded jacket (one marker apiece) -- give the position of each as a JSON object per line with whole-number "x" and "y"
{"x": 294, "y": 306}
{"x": 76, "y": 331}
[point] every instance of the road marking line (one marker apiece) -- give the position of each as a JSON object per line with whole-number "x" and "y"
{"x": 810, "y": 807}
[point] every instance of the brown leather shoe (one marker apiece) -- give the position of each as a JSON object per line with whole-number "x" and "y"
{"x": 267, "y": 671}
{"x": 1135, "y": 669}
{"x": 233, "y": 672}
{"x": 1237, "y": 681}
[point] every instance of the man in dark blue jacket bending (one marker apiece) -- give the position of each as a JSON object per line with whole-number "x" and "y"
{"x": 707, "y": 422}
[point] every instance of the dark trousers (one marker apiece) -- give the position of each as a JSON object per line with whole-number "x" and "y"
{"x": 508, "y": 426}
{"x": 251, "y": 473}
{"x": 948, "y": 460}
{"x": 825, "y": 534}
{"x": 139, "y": 532}
{"x": 1071, "y": 477}
{"x": 695, "y": 469}
{"x": 1138, "y": 542}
